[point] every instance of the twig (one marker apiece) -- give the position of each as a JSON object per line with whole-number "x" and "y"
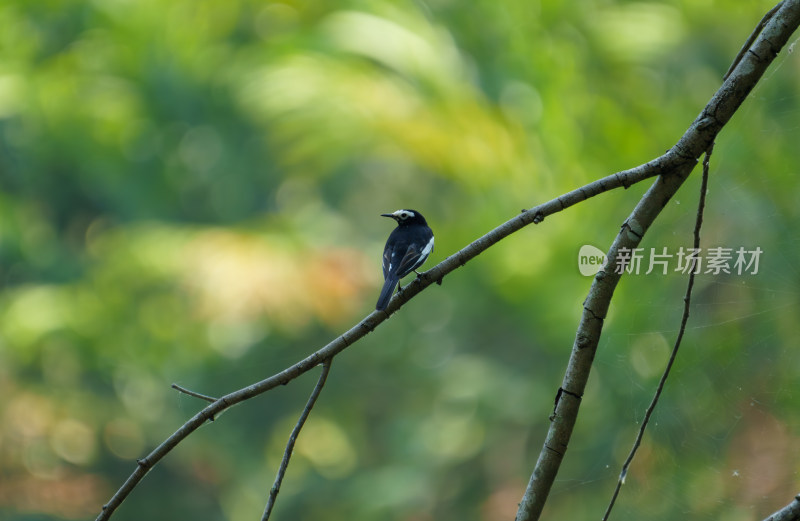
{"x": 687, "y": 299}
{"x": 276, "y": 487}
{"x": 760, "y": 27}
{"x": 692, "y": 145}
{"x": 194, "y": 394}
{"x": 790, "y": 512}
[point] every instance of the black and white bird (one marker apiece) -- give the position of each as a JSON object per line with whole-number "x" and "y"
{"x": 407, "y": 248}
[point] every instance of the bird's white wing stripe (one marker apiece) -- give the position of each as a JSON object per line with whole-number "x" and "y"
{"x": 428, "y": 248}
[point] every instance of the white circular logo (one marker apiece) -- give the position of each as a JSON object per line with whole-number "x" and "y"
{"x": 590, "y": 260}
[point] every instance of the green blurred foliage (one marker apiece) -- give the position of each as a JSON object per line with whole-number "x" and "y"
{"x": 189, "y": 192}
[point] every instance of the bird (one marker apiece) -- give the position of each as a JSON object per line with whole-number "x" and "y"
{"x": 407, "y": 248}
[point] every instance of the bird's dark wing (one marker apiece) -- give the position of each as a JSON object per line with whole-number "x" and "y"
{"x": 394, "y": 264}
{"x": 409, "y": 261}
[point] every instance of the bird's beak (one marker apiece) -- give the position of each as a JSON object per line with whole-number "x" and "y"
{"x": 387, "y": 215}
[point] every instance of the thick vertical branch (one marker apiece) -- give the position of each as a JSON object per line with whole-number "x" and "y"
{"x": 690, "y": 147}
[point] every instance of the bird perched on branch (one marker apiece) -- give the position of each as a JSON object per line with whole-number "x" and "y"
{"x": 407, "y": 248}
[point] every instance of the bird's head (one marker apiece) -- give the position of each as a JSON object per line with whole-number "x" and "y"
{"x": 405, "y": 217}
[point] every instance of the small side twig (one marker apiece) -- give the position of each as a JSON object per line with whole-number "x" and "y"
{"x": 184, "y": 390}
{"x": 687, "y": 299}
{"x": 287, "y": 454}
{"x": 760, "y": 27}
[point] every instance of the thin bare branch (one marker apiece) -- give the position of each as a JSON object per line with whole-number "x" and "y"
{"x": 287, "y": 454}
{"x": 661, "y": 165}
{"x": 687, "y": 300}
{"x": 690, "y": 147}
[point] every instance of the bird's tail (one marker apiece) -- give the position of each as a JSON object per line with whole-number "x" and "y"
{"x": 386, "y": 293}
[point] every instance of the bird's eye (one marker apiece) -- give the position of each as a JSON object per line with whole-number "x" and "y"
{"x": 405, "y": 215}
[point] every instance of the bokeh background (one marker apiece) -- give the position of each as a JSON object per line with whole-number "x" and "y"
{"x": 189, "y": 193}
